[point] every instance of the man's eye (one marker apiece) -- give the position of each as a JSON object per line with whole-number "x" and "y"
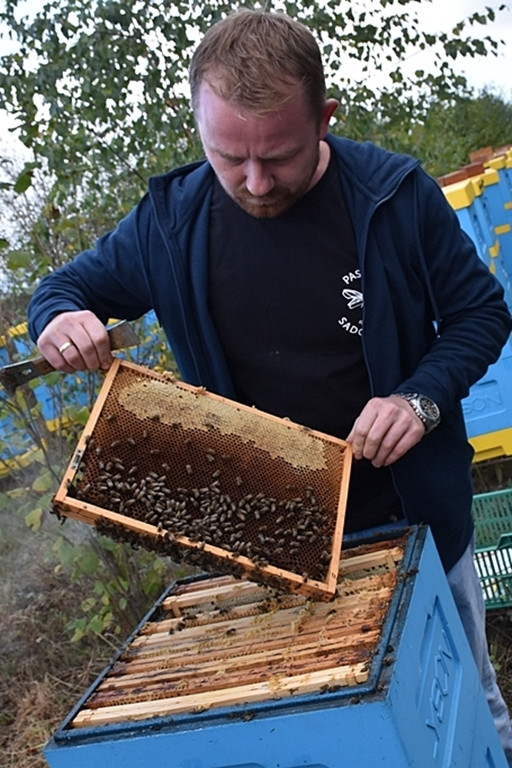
{"x": 233, "y": 160}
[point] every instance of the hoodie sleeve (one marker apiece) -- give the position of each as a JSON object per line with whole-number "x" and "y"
{"x": 110, "y": 279}
{"x": 471, "y": 317}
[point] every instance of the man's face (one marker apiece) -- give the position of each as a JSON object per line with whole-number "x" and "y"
{"x": 265, "y": 163}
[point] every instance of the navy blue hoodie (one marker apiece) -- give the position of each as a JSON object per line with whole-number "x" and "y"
{"x": 434, "y": 316}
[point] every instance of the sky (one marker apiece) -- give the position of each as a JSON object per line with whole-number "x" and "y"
{"x": 484, "y": 71}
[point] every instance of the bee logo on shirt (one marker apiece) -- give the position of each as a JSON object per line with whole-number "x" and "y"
{"x": 354, "y": 298}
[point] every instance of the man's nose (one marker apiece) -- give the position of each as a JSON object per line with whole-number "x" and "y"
{"x": 259, "y": 181}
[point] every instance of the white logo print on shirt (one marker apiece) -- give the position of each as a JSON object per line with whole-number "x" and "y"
{"x": 354, "y": 298}
{"x": 352, "y": 324}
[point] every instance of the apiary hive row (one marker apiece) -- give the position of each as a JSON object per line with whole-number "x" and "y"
{"x": 219, "y": 642}
{"x": 226, "y": 487}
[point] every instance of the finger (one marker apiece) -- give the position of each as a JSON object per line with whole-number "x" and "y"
{"x": 359, "y": 434}
{"x": 385, "y": 459}
{"x": 100, "y": 343}
{"x": 74, "y": 341}
{"x": 54, "y": 349}
{"x": 91, "y": 348}
{"x": 65, "y": 346}
{"x": 391, "y": 446}
{"x": 379, "y": 427}
{"x": 391, "y": 437}
{"x": 68, "y": 354}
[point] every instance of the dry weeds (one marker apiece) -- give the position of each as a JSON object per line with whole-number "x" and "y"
{"x": 41, "y": 673}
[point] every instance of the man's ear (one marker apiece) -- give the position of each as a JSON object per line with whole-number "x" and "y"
{"x": 331, "y": 105}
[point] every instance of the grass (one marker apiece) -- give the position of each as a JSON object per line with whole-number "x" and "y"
{"x": 499, "y": 635}
{"x": 41, "y": 671}
{"x": 43, "y": 674}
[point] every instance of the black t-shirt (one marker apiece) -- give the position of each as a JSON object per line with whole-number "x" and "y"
{"x": 286, "y": 298}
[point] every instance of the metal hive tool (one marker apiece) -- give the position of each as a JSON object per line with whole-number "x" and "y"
{"x": 208, "y": 481}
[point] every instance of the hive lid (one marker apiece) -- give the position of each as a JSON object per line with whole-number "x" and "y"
{"x": 211, "y": 482}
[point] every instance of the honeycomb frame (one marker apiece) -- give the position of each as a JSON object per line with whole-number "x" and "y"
{"x": 208, "y": 481}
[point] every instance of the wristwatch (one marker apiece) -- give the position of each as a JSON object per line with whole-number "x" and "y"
{"x": 423, "y": 407}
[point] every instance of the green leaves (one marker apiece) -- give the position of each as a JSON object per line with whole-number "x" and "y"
{"x": 96, "y": 77}
{"x": 18, "y": 259}
{"x": 99, "y": 91}
{"x": 35, "y": 518}
{"x": 23, "y": 182}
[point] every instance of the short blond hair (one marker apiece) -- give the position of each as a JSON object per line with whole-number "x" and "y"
{"x": 256, "y": 58}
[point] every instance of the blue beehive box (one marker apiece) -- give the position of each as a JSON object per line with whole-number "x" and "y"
{"x": 483, "y": 206}
{"x": 227, "y": 674}
{"x": 488, "y": 409}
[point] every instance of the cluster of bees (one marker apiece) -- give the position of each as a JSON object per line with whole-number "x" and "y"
{"x": 294, "y": 534}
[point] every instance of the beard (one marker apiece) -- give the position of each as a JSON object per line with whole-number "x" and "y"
{"x": 274, "y": 204}
{"x": 279, "y": 200}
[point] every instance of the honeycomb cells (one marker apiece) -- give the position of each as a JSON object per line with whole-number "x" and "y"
{"x": 200, "y": 469}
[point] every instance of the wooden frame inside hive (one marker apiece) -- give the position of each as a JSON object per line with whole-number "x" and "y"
{"x": 217, "y": 642}
{"x": 203, "y": 479}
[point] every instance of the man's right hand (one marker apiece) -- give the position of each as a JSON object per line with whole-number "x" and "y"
{"x": 76, "y": 341}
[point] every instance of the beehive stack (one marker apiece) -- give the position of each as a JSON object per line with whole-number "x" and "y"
{"x": 206, "y": 480}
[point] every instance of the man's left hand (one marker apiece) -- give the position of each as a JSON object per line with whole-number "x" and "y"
{"x": 385, "y": 430}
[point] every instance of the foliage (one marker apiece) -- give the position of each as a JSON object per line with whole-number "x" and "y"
{"x": 98, "y": 92}
{"x": 449, "y": 131}
{"x": 121, "y": 584}
{"x": 39, "y": 428}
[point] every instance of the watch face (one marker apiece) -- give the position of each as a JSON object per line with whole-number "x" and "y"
{"x": 429, "y": 408}
{"x": 424, "y": 408}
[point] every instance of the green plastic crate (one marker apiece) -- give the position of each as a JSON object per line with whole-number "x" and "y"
{"x": 492, "y": 513}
